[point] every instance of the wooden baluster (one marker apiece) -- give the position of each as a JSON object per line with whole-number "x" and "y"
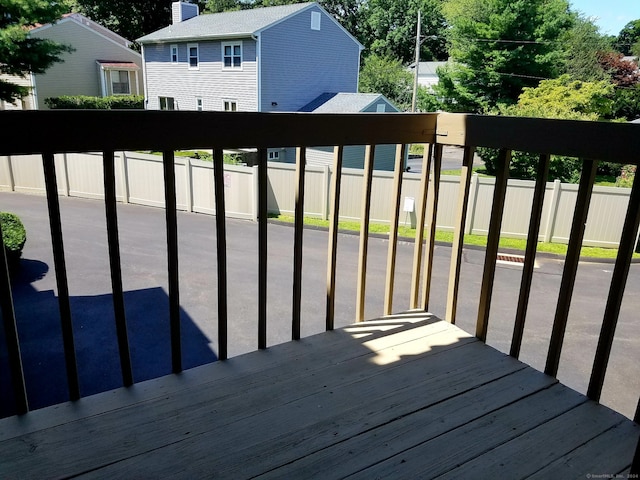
{"x": 221, "y": 250}
{"x": 421, "y": 208}
{"x": 458, "y": 237}
{"x": 432, "y": 209}
{"x": 530, "y": 253}
{"x": 336, "y": 177}
{"x": 51, "y": 186}
{"x": 262, "y": 248}
{"x": 301, "y": 160}
{"x": 587, "y": 179}
{"x": 616, "y": 291}
{"x": 115, "y": 266}
{"x": 364, "y": 230}
{"x": 168, "y": 162}
{"x": 493, "y": 240}
{"x": 401, "y": 151}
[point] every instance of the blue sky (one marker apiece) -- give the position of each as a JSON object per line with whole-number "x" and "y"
{"x": 611, "y": 15}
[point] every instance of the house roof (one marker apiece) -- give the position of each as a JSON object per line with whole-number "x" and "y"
{"x": 241, "y": 23}
{"x": 343, "y": 102}
{"x": 87, "y": 23}
{"x": 428, "y": 68}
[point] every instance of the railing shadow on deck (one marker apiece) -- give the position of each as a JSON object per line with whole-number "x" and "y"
{"x": 38, "y": 323}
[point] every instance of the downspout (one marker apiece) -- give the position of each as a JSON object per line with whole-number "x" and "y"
{"x": 103, "y": 80}
{"x": 256, "y": 38}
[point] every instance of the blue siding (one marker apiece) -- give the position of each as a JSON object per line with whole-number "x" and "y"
{"x": 210, "y": 82}
{"x": 298, "y": 63}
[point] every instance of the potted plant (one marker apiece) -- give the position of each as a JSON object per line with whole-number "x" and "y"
{"x": 14, "y": 236}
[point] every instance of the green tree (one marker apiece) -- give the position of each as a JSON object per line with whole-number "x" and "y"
{"x": 130, "y": 19}
{"x": 584, "y": 47}
{"x": 561, "y": 98}
{"x": 386, "y": 75}
{"x": 390, "y": 28}
{"x": 501, "y": 47}
{"x": 19, "y": 53}
{"x": 628, "y": 37}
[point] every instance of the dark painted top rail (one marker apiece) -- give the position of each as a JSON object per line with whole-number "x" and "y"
{"x": 25, "y": 132}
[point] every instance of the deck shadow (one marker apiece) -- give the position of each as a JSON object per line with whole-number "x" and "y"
{"x": 38, "y": 323}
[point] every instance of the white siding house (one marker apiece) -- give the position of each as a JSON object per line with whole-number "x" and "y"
{"x": 266, "y": 59}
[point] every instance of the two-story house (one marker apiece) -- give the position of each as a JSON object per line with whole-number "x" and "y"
{"x": 267, "y": 59}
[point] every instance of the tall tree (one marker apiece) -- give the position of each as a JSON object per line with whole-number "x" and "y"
{"x": 130, "y": 19}
{"x": 628, "y": 37}
{"x": 501, "y": 47}
{"x": 387, "y": 75}
{"x": 390, "y": 28}
{"x": 584, "y": 46}
{"x": 19, "y": 53}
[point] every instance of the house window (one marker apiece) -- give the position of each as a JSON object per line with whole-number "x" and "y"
{"x": 315, "y": 20}
{"x": 274, "y": 155}
{"x": 174, "y": 53}
{"x": 194, "y": 59}
{"x": 230, "y": 106}
{"x": 167, "y": 103}
{"x": 232, "y": 55}
{"x": 120, "y": 82}
{"x": 380, "y": 107}
{"x": 199, "y": 104}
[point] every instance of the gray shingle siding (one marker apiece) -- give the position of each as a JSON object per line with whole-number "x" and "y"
{"x": 353, "y": 157}
{"x": 298, "y": 63}
{"x": 210, "y": 81}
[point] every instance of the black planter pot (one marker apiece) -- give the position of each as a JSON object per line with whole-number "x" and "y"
{"x": 13, "y": 262}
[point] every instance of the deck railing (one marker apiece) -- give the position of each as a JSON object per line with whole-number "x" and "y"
{"x": 49, "y": 132}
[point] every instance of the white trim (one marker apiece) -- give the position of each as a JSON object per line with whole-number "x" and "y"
{"x": 144, "y": 74}
{"x": 189, "y": 47}
{"x": 171, "y": 47}
{"x": 103, "y": 79}
{"x": 258, "y": 41}
{"x": 229, "y": 101}
{"x": 34, "y": 92}
{"x": 137, "y": 83}
{"x": 232, "y": 45}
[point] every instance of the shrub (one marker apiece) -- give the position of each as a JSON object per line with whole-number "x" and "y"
{"x": 627, "y": 174}
{"x": 14, "y": 237}
{"x": 83, "y": 102}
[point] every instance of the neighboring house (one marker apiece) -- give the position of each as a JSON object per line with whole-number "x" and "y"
{"x": 27, "y": 103}
{"x": 261, "y": 60}
{"x": 427, "y": 72}
{"x": 101, "y": 64}
{"x": 353, "y": 156}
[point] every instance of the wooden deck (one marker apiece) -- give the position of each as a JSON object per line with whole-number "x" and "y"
{"x": 406, "y": 397}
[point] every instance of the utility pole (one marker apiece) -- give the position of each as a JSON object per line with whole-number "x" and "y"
{"x": 417, "y": 64}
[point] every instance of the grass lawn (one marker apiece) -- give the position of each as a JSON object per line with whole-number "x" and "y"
{"x": 447, "y": 237}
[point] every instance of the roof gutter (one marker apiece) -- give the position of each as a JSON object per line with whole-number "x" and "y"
{"x": 196, "y": 38}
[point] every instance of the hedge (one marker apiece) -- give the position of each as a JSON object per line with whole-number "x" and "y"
{"x": 83, "y": 102}
{"x": 13, "y": 233}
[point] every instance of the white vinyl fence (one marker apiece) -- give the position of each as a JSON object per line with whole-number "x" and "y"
{"x": 139, "y": 180}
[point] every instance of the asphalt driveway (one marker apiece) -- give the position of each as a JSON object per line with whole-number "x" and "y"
{"x": 143, "y": 247}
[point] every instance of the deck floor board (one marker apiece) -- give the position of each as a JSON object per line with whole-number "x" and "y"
{"x": 405, "y": 397}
